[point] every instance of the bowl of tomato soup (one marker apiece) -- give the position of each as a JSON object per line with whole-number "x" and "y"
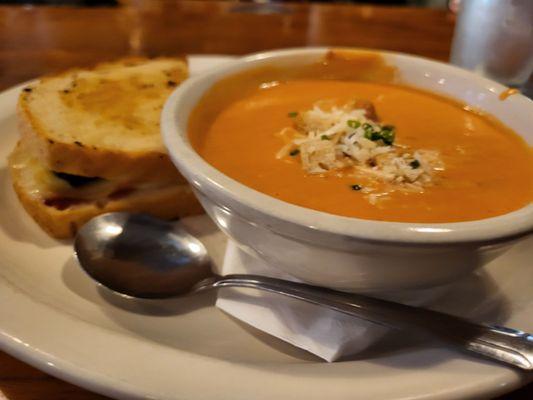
{"x": 354, "y": 169}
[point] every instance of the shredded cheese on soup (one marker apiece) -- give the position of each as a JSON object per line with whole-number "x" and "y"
{"x": 350, "y": 138}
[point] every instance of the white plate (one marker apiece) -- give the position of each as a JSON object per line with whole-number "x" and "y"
{"x": 53, "y": 317}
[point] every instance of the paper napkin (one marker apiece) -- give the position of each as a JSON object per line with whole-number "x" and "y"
{"x": 326, "y": 333}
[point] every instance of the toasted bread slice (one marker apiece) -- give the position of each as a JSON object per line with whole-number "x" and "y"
{"x": 103, "y": 122}
{"x": 60, "y": 212}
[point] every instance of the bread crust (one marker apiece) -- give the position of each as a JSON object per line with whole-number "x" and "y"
{"x": 77, "y": 158}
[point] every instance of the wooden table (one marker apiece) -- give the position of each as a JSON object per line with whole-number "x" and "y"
{"x": 39, "y": 40}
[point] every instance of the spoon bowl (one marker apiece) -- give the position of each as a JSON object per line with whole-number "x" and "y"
{"x": 141, "y": 256}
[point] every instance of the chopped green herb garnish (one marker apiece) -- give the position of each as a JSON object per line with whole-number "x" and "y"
{"x": 368, "y": 131}
{"x": 325, "y": 137}
{"x": 375, "y": 136}
{"x": 388, "y": 135}
{"x": 292, "y": 114}
{"x": 414, "y": 164}
{"x": 352, "y": 123}
{"x": 294, "y": 152}
{"x": 356, "y": 187}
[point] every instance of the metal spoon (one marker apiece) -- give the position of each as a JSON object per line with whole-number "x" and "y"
{"x": 145, "y": 257}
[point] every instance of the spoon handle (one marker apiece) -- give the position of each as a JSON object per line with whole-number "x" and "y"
{"x": 500, "y": 343}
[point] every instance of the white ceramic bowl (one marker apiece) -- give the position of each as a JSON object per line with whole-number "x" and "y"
{"x": 341, "y": 252}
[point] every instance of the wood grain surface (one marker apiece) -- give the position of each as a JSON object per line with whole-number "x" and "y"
{"x": 37, "y": 40}
{"x": 42, "y": 39}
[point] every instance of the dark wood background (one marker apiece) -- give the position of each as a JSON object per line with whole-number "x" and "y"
{"x": 42, "y": 39}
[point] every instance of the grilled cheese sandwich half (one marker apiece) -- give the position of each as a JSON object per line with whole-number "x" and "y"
{"x": 90, "y": 144}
